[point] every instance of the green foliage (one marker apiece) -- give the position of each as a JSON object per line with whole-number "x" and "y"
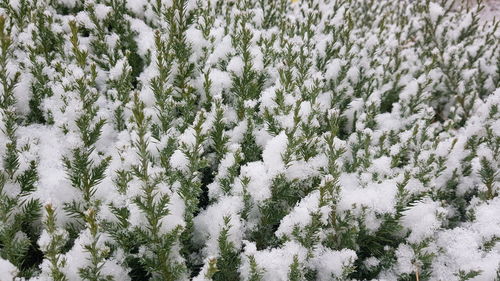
{"x": 229, "y": 260}
{"x": 153, "y": 140}
{"x": 97, "y": 254}
{"x": 284, "y": 195}
{"x": 488, "y": 177}
{"x": 295, "y": 273}
{"x": 463, "y": 275}
{"x": 57, "y": 241}
{"x": 255, "y": 272}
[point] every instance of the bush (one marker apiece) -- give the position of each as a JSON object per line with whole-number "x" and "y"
{"x": 249, "y": 140}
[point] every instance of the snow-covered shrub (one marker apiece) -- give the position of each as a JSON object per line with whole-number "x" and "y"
{"x": 249, "y": 140}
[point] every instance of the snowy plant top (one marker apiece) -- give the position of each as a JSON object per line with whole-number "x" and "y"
{"x": 249, "y": 140}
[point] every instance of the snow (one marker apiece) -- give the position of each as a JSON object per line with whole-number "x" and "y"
{"x": 188, "y": 137}
{"x": 419, "y": 166}
{"x": 338, "y": 20}
{"x": 222, "y": 48}
{"x": 68, "y": 3}
{"x": 78, "y": 257}
{"x": 7, "y": 270}
{"x": 487, "y": 221}
{"x": 273, "y": 153}
{"x": 377, "y": 197}
{"x": 46, "y": 238}
{"x": 225, "y": 163}
{"x": 303, "y": 170}
{"x": 237, "y": 133}
{"x": 50, "y": 150}
{"x": 405, "y": 256}
{"x": 257, "y": 61}
{"x": 195, "y": 39}
{"x": 353, "y": 74}
{"x": 435, "y": 10}
{"x": 333, "y": 68}
{"x": 83, "y": 19}
{"x": 236, "y": 65}
{"x": 137, "y": 217}
{"x": 136, "y": 6}
{"x": 381, "y": 166}
{"x": 221, "y": 81}
{"x": 210, "y": 223}
{"x": 332, "y": 263}
{"x": 305, "y": 109}
{"x": 300, "y": 215}
{"x": 145, "y": 38}
{"x": 175, "y": 218}
{"x": 179, "y": 161}
{"x": 118, "y": 69}
{"x": 22, "y": 93}
{"x": 410, "y": 90}
{"x": 102, "y": 11}
{"x": 461, "y": 251}
{"x": 275, "y": 262}
{"x": 259, "y": 186}
{"x": 423, "y": 219}
{"x": 14, "y": 4}
{"x": 491, "y": 11}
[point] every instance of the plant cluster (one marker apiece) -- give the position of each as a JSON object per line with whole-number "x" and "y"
{"x": 258, "y": 140}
